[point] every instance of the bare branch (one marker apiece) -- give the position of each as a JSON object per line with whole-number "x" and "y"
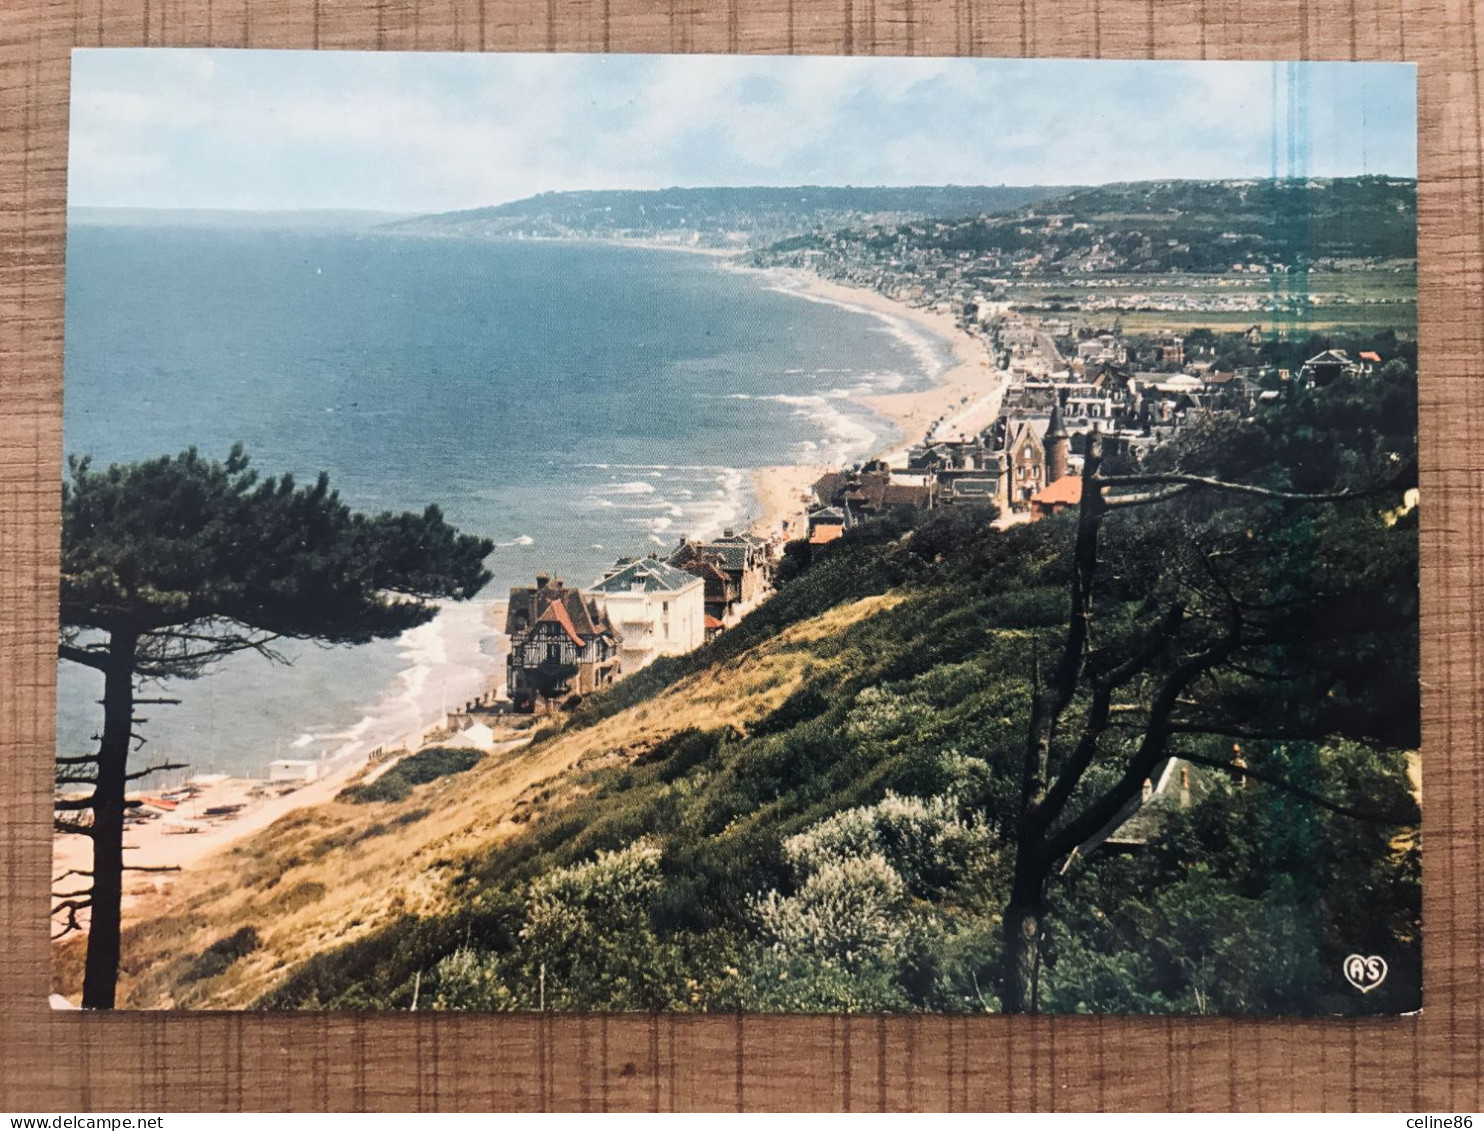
{"x": 1168, "y": 479}
{"x": 88, "y": 657}
{"x": 1244, "y": 734}
{"x": 1158, "y": 641}
{"x": 1151, "y": 748}
{"x": 1097, "y": 717}
{"x": 1119, "y": 502}
{"x": 72, "y": 907}
{"x": 1297, "y": 790}
{"x": 157, "y": 769}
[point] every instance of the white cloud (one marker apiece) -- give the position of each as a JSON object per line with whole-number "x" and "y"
{"x": 432, "y": 132}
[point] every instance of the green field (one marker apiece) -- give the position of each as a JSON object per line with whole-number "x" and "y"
{"x": 1377, "y": 300}
{"x": 1391, "y": 316}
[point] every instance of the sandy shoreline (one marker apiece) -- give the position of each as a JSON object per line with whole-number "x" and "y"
{"x": 158, "y": 843}
{"x": 965, "y": 398}
{"x": 152, "y": 844}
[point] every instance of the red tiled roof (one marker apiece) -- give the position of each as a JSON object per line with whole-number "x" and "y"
{"x": 824, "y": 533}
{"x": 1066, "y": 491}
{"x": 712, "y": 622}
{"x": 1369, "y": 355}
{"x": 556, "y": 613}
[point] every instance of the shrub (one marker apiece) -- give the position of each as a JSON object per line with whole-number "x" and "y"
{"x": 414, "y": 770}
{"x": 219, "y": 955}
{"x": 469, "y": 979}
{"x": 847, "y": 912}
{"x": 925, "y": 842}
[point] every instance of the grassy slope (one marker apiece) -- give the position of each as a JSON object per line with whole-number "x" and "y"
{"x": 326, "y": 877}
{"x": 890, "y": 666}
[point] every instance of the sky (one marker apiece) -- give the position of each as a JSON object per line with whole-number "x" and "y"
{"x": 421, "y": 132}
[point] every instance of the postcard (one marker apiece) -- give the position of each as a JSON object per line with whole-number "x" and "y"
{"x": 738, "y": 534}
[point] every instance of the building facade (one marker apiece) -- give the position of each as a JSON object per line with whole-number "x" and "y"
{"x": 734, "y": 567}
{"x": 561, "y": 644}
{"x": 656, "y": 608}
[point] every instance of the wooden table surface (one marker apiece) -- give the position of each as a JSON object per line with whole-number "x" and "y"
{"x": 179, "y": 1061}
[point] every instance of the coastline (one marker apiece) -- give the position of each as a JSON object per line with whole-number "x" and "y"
{"x": 150, "y": 846}
{"x": 964, "y": 395}
{"x": 963, "y": 400}
{"x": 257, "y": 804}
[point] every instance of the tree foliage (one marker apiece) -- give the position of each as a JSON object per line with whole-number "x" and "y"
{"x": 172, "y": 564}
{"x": 857, "y": 847}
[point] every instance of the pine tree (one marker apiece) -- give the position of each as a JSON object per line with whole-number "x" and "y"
{"x": 172, "y": 564}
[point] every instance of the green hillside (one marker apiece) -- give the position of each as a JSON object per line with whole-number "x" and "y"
{"x": 1157, "y": 226}
{"x": 716, "y": 215}
{"x": 818, "y": 810}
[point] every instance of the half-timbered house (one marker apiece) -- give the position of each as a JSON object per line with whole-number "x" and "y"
{"x": 561, "y": 644}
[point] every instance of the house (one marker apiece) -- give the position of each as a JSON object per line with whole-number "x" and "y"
{"x": 1103, "y": 347}
{"x": 826, "y": 524}
{"x": 1168, "y": 349}
{"x": 717, "y": 594}
{"x": 1056, "y": 442}
{"x": 561, "y": 644}
{"x": 293, "y": 770}
{"x": 969, "y": 489}
{"x": 1057, "y": 496}
{"x": 739, "y": 562}
{"x": 1328, "y": 366}
{"x": 870, "y": 491}
{"x": 1176, "y": 784}
{"x": 945, "y": 458}
{"x": 657, "y": 609}
{"x": 1025, "y": 463}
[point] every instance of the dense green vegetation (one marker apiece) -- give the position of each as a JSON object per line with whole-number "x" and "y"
{"x": 720, "y": 211}
{"x": 1216, "y": 223}
{"x": 414, "y": 770}
{"x": 853, "y": 850}
{"x": 1159, "y": 226}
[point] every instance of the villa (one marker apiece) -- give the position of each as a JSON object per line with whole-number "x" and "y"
{"x": 657, "y": 609}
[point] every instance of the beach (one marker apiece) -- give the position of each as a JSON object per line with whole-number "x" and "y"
{"x": 963, "y": 398}
{"x": 963, "y": 401}
{"x": 155, "y": 844}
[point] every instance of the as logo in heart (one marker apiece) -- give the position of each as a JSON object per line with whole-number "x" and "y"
{"x": 1365, "y": 974}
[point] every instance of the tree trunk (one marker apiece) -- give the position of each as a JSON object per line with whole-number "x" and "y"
{"x": 100, "y": 977}
{"x": 1023, "y": 924}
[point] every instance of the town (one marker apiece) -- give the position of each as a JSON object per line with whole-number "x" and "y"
{"x": 1050, "y": 386}
{"x": 1130, "y": 310}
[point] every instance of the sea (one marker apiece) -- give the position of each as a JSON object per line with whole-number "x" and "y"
{"x": 574, "y": 402}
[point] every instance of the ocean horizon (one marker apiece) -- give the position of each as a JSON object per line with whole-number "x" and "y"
{"x": 573, "y": 402}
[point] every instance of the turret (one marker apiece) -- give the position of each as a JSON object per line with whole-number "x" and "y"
{"x": 1057, "y": 443}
